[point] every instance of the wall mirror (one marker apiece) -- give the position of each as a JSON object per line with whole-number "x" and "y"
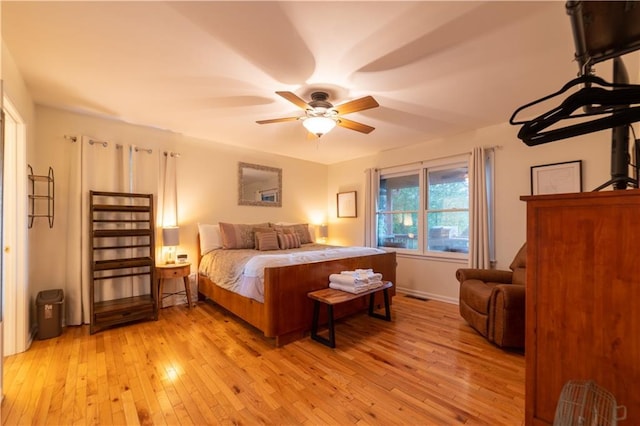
{"x": 259, "y": 185}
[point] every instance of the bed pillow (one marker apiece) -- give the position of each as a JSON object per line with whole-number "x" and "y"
{"x": 267, "y": 241}
{"x": 257, "y": 230}
{"x": 209, "y": 238}
{"x": 288, "y": 241}
{"x": 302, "y": 229}
{"x": 239, "y": 236}
{"x": 312, "y": 232}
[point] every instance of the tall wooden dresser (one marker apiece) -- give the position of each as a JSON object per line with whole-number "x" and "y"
{"x": 583, "y": 298}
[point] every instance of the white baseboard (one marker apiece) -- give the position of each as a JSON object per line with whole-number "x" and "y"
{"x": 426, "y": 295}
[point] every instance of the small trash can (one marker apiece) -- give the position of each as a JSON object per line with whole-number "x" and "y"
{"x": 49, "y": 304}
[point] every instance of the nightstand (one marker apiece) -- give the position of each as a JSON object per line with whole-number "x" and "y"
{"x": 173, "y": 270}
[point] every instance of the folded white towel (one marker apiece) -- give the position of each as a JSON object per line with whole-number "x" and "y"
{"x": 356, "y": 289}
{"x": 354, "y": 278}
{"x": 348, "y": 288}
{"x": 374, "y": 284}
{"x": 348, "y": 280}
{"x": 363, "y": 274}
{"x": 358, "y": 272}
{"x": 375, "y": 276}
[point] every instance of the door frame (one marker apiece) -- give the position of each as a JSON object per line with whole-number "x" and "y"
{"x": 16, "y": 335}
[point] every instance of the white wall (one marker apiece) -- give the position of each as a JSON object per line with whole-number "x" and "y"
{"x": 14, "y": 87}
{"x": 436, "y": 279}
{"x": 207, "y": 185}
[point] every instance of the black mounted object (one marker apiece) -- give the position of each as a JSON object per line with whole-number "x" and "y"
{"x": 602, "y": 30}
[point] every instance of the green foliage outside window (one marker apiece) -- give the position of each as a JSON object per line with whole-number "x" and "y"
{"x": 399, "y": 200}
{"x": 446, "y": 212}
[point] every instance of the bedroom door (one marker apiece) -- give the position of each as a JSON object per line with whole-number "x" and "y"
{"x": 15, "y": 314}
{"x": 1, "y": 239}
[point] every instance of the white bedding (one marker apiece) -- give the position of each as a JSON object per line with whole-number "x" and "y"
{"x": 242, "y": 271}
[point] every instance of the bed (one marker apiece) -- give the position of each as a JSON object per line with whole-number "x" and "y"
{"x": 285, "y": 314}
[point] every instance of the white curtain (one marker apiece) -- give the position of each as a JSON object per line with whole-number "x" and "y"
{"x": 99, "y": 166}
{"x": 372, "y": 184}
{"x": 479, "y": 255}
{"x": 145, "y": 170}
{"x": 169, "y": 191}
{"x": 143, "y": 179}
{"x": 74, "y": 248}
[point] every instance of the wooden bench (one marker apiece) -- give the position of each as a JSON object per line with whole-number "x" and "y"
{"x": 331, "y": 297}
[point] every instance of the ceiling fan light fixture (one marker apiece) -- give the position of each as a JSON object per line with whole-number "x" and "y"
{"x": 319, "y": 125}
{"x": 321, "y": 116}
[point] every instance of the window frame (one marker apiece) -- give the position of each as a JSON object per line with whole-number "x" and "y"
{"x": 400, "y": 172}
{"x": 422, "y": 169}
{"x": 439, "y": 253}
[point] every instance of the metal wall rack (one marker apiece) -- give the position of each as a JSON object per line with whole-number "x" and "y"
{"x": 37, "y": 196}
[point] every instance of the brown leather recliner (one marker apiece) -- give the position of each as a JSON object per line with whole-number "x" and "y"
{"x": 492, "y": 301}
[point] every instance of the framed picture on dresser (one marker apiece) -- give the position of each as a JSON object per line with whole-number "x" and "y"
{"x": 556, "y": 178}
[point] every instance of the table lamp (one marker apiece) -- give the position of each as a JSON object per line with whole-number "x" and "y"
{"x": 323, "y": 232}
{"x": 170, "y": 239}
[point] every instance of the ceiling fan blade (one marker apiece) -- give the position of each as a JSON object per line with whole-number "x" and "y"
{"x": 353, "y": 125}
{"x": 277, "y": 120}
{"x": 356, "y": 105}
{"x": 294, "y": 99}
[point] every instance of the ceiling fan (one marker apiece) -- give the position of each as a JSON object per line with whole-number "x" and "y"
{"x": 321, "y": 116}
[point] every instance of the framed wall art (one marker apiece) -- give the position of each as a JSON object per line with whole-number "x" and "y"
{"x": 556, "y": 178}
{"x": 347, "y": 204}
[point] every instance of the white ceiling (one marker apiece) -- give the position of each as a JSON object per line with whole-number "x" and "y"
{"x": 210, "y": 69}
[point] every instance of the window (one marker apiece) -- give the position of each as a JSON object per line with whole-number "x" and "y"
{"x": 399, "y": 204}
{"x": 447, "y": 210}
{"x": 424, "y": 209}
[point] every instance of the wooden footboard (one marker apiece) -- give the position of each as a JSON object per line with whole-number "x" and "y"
{"x": 287, "y": 312}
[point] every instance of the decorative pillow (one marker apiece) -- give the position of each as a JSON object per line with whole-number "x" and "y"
{"x": 302, "y": 229}
{"x": 288, "y": 241}
{"x": 239, "y": 236}
{"x": 209, "y": 237}
{"x": 312, "y": 232}
{"x": 267, "y": 241}
{"x": 256, "y": 230}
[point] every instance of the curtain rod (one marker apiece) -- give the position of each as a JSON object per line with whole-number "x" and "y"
{"x": 172, "y": 154}
{"x": 103, "y": 143}
{"x": 74, "y": 139}
{"x": 488, "y": 148}
{"x": 147, "y": 150}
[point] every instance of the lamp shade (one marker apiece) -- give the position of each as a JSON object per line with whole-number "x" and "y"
{"x": 170, "y": 236}
{"x": 323, "y": 231}
{"x": 319, "y": 125}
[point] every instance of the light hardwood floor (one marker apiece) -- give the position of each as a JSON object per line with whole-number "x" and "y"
{"x": 203, "y": 366}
